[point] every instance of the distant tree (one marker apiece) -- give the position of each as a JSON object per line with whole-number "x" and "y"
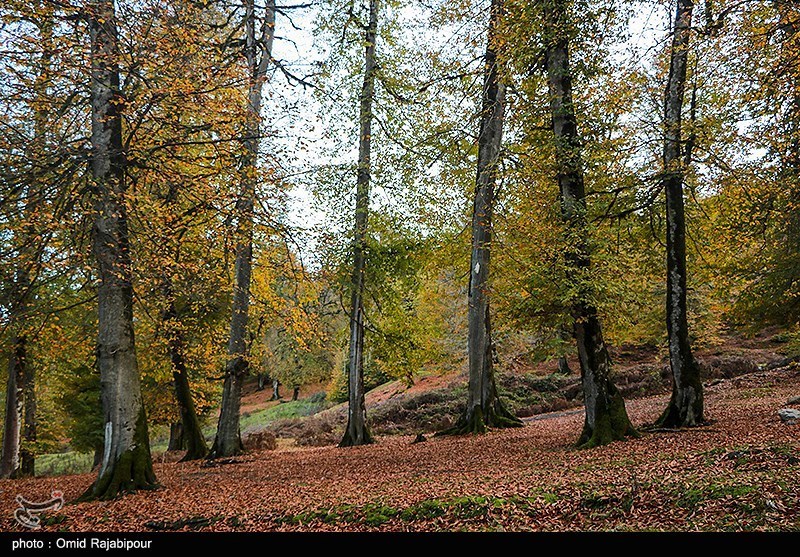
{"x": 27, "y": 200}
{"x": 258, "y": 55}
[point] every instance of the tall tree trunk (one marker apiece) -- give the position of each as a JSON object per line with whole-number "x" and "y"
{"x": 127, "y": 464}
{"x": 484, "y": 408}
{"x": 9, "y": 462}
{"x": 295, "y": 393}
{"x": 276, "y": 390}
{"x": 258, "y": 52}
{"x": 28, "y": 451}
{"x": 685, "y": 407}
{"x": 31, "y": 246}
{"x": 606, "y": 418}
{"x": 191, "y": 432}
{"x": 357, "y": 432}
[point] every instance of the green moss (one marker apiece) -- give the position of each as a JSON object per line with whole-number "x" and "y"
{"x": 133, "y": 469}
{"x": 377, "y": 514}
{"x": 471, "y": 508}
{"x": 692, "y": 497}
{"x": 611, "y": 424}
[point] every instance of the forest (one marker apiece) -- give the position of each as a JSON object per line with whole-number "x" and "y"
{"x": 400, "y": 265}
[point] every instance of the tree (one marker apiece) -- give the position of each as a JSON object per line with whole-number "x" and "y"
{"x": 127, "y": 464}
{"x": 30, "y": 240}
{"x": 685, "y": 407}
{"x": 258, "y": 55}
{"x": 606, "y": 419}
{"x": 357, "y": 432}
{"x": 191, "y": 432}
{"x": 484, "y": 408}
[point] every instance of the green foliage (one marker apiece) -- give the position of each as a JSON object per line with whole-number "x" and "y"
{"x": 81, "y": 402}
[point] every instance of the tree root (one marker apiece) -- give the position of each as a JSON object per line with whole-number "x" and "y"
{"x": 474, "y": 422}
{"x": 610, "y": 425}
{"x": 350, "y": 440}
{"x": 131, "y": 472}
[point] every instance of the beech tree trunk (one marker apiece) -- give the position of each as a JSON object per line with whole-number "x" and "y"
{"x": 484, "y": 408}
{"x": 276, "y": 390}
{"x": 192, "y": 437}
{"x": 357, "y": 432}
{"x": 295, "y": 393}
{"x": 685, "y": 407}
{"x": 177, "y": 441}
{"x": 258, "y": 52}
{"x": 127, "y": 464}
{"x": 9, "y": 462}
{"x": 190, "y": 432}
{"x": 27, "y": 453}
{"x": 606, "y": 418}
{"x": 18, "y": 453}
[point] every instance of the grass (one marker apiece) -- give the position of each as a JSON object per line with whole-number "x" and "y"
{"x": 59, "y": 464}
{"x": 692, "y": 497}
{"x": 282, "y": 411}
{"x": 471, "y": 508}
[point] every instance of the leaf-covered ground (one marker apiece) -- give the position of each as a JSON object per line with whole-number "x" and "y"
{"x": 741, "y": 472}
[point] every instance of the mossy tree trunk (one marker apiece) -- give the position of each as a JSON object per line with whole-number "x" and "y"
{"x": 258, "y": 53}
{"x": 191, "y": 431}
{"x": 685, "y": 407}
{"x": 357, "y": 432}
{"x": 606, "y": 418}
{"x": 127, "y": 464}
{"x": 484, "y": 408}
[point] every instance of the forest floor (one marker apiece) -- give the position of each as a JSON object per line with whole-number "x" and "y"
{"x": 739, "y": 472}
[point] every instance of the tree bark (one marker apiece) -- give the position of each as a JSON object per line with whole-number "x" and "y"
{"x": 31, "y": 246}
{"x": 295, "y": 393}
{"x": 484, "y": 408}
{"x": 177, "y": 441}
{"x": 127, "y": 464}
{"x": 276, "y": 390}
{"x": 258, "y": 52}
{"x": 563, "y": 366}
{"x": 685, "y": 407}
{"x": 9, "y": 462}
{"x": 357, "y": 432}
{"x": 191, "y": 431}
{"x": 606, "y": 419}
{"x": 28, "y": 451}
